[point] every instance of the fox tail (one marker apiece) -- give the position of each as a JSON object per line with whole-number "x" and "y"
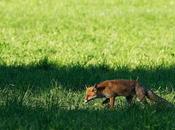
{"x": 157, "y": 99}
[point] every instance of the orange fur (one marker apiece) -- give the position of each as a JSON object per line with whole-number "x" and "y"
{"x": 110, "y": 89}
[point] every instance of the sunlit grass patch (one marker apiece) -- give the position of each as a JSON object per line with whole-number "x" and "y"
{"x": 51, "y": 50}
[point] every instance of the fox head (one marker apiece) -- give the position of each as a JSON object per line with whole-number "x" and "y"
{"x": 91, "y": 93}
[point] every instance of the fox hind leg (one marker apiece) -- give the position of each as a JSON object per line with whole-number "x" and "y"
{"x": 129, "y": 99}
{"x": 141, "y": 95}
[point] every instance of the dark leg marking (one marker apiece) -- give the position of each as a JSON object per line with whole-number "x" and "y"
{"x": 105, "y": 101}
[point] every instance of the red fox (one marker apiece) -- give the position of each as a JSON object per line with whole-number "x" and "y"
{"x": 110, "y": 89}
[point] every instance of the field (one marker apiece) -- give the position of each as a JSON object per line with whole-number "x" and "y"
{"x": 51, "y": 50}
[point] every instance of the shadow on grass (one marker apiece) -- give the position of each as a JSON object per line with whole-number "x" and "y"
{"x": 15, "y": 115}
{"x": 75, "y": 77}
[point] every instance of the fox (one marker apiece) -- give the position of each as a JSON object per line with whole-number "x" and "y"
{"x": 110, "y": 89}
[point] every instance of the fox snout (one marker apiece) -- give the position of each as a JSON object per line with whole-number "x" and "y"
{"x": 89, "y": 98}
{"x": 85, "y": 101}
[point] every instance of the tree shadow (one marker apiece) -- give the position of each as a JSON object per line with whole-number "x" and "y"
{"x": 42, "y": 75}
{"x": 15, "y": 115}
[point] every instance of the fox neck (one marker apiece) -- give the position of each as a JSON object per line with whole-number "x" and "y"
{"x": 107, "y": 95}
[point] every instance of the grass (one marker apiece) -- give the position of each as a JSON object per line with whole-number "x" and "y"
{"x": 51, "y": 50}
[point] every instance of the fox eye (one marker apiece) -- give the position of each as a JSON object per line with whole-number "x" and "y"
{"x": 94, "y": 90}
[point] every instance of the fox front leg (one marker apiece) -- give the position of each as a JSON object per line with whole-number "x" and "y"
{"x": 111, "y": 102}
{"x": 106, "y": 101}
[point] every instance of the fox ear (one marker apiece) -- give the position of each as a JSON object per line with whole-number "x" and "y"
{"x": 95, "y": 86}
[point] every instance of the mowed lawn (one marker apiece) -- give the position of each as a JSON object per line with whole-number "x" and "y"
{"x": 50, "y": 50}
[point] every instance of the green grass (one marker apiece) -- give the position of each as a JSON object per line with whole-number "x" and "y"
{"x": 51, "y": 50}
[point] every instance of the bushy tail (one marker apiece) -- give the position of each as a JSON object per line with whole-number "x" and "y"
{"x": 157, "y": 99}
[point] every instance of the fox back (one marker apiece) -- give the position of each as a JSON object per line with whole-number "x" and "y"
{"x": 111, "y": 88}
